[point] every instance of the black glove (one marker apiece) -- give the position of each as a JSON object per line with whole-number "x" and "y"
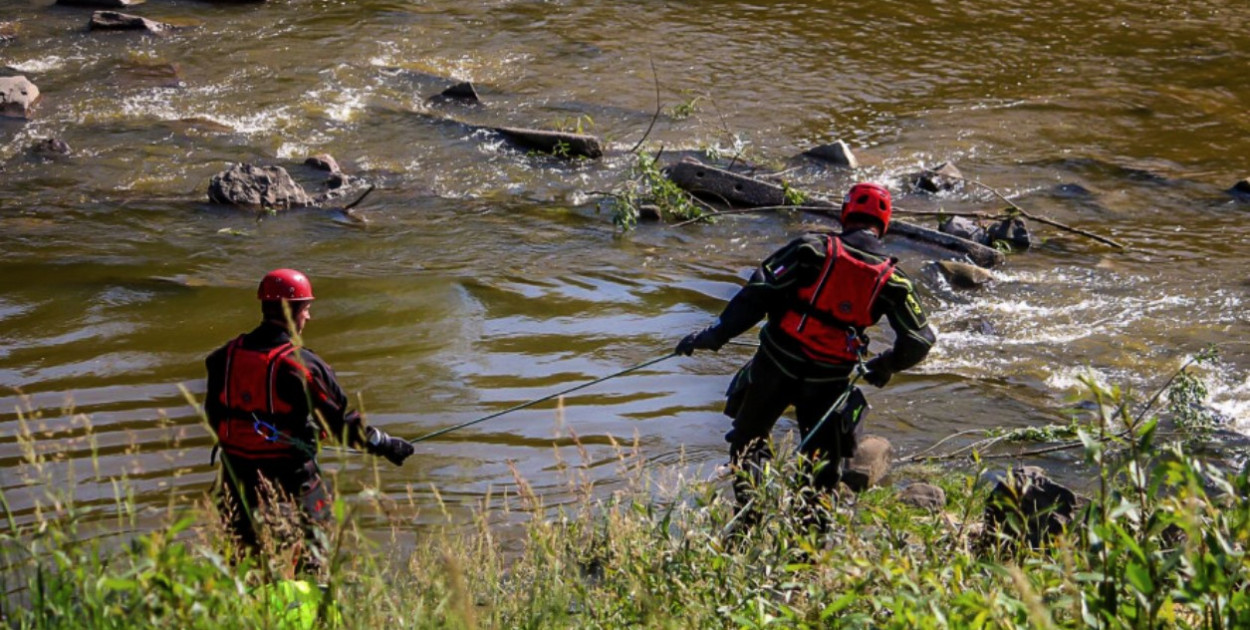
{"x": 705, "y": 339}
{"x": 876, "y": 375}
{"x": 392, "y": 448}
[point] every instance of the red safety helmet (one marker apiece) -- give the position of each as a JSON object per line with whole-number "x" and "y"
{"x": 868, "y": 199}
{"x": 284, "y": 284}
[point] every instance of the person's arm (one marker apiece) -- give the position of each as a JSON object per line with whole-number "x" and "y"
{"x": 329, "y": 408}
{"x": 913, "y": 337}
{"x": 216, "y": 368}
{"x": 765, "y": 291}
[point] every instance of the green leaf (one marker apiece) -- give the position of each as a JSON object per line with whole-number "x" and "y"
{"x": 1139, "y": 577}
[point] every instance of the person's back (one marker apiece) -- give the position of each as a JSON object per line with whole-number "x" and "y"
{"x": 818, "y": 293}
{"x": 270, "y": 402}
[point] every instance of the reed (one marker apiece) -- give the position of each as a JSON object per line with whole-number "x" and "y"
{"x": 1162, "y": 544}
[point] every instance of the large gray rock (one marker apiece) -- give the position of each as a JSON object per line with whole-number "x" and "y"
{"x": 114, "y": 21}
{"x": 1026, "y": 505}
{"x": 964, "y": 275}
{"x": 923, "y": 495}
{"x": 18, "y": 97}
{"x": 557, "y": 143}
{"x": 870, "y": 464}
{"x": 268, "y": 187}
{"x": 836, "y": 153}
{"x": 101, "y": 4}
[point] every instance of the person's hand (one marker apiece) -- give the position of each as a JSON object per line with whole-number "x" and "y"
{"x": 705, "y": 339}
{"x": 394, "y": 449}
{"x": 875, "y": 374}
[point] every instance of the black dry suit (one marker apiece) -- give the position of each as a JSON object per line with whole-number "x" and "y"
{"x": 270, "y": 403}
{"x": 818, "y": 294}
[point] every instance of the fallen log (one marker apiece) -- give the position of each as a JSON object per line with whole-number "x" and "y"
{"x": 733, "y": 189}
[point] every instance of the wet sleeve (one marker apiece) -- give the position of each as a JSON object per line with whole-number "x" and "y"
{"x": 328, "y": 403}
{"x": 913, "y": 336}
{"x": 771, "y": 286}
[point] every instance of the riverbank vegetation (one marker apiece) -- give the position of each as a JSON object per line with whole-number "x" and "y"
{"x": 1161, "y": 543}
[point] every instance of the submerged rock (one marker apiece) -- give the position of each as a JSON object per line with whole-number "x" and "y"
{"x": 836, "y": 153}
{"x": 923, "y": 495}
{"x": 945, "y": 176}
{"x": 114, "y": 21}
{"x": 1027, "y": 505}
{"x": 1241, "y": 188}
{"x": 964, "y": 275}
{"x": 269, "y": 187}
{"x": 463, "y": 92}
{"x": 557, "y": 143}
{"x": 50, "y": 148}
{"x": 870, "y": 464}
{"x": 18, "y": 97}
{"x": 102, "y": 4}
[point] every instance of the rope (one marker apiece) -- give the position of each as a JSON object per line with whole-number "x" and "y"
{"x": 536, "y": 401}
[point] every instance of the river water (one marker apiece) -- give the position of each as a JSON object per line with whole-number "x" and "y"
{"x": 486, "y": 276}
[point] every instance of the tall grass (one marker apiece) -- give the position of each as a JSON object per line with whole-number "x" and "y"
{"x": 1161, "y": 545}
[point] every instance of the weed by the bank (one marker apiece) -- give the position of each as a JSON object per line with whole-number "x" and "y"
{"x": 1162, "y": 545}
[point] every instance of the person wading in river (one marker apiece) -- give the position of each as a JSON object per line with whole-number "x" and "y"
{"x": 818, "y": 294}
{"x": 270, "y": 402}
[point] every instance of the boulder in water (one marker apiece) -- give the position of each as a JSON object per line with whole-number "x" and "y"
{"x": 8, "y": 31}
{"x": 557, "y": 143}
{"x": 945, "y": 176}
{"x": 1012, "y": 231}
{"x": 1027, "y": 505}
{"x": 836, "y": 153}
{"x": 964, "y": 275}
{"x": 18, "y": 97}
{"x": 114, "y": 21}
{"x": 268, "y": 187}
{"x": 323, "y": 162}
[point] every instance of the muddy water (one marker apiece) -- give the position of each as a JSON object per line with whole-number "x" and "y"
{"x": 486, "y": 277}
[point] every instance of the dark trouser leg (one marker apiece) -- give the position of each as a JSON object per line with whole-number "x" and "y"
{"x": 821, "y": 447}
{"x": 766, "y": 396}
{"x": 237, "y": 500}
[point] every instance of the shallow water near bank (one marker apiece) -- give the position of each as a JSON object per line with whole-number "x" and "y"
{"x": 486, "y": 276}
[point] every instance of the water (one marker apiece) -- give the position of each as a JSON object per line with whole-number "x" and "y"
{"x": 486, "y": 277}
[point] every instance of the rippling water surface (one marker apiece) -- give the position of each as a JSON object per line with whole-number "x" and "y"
{"x": 486, "y": 277}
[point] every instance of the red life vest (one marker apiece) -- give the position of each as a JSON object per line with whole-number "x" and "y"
{"x": 829, "y": 317}
{"x": 259, "y": 424}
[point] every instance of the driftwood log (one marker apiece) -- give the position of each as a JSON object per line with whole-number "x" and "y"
{"x": 733, "y": 189}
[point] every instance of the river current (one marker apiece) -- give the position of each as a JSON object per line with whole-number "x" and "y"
{"x": 486, "y": 276}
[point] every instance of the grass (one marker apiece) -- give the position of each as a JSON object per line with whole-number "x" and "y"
{"x": 1162, "y": 544}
